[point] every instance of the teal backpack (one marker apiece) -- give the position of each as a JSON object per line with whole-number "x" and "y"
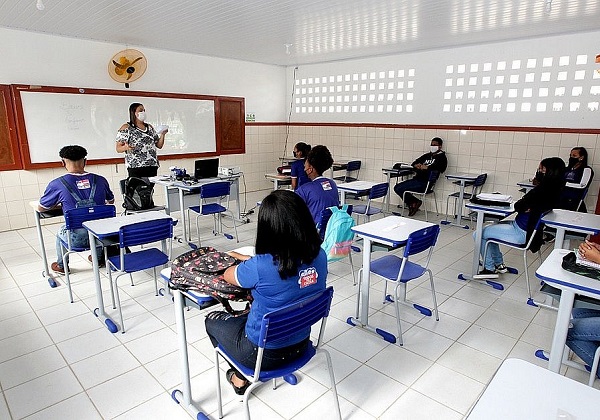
{"x": 336, "y": 232}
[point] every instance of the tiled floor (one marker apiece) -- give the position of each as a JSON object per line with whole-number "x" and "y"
{"x": 57, "y": 361}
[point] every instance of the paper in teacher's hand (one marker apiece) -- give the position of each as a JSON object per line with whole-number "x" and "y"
{"x": 161, "y": 128}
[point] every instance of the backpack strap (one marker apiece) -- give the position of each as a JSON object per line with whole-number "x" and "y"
{"x": 75, "y": 194}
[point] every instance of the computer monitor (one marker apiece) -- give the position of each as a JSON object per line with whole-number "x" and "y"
{"x": 206, "y": 168}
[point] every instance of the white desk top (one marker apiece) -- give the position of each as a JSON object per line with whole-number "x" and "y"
{"x": 465, "y": 176}
{"x": 573, "y": 220}
{"x": 552, "y": 272}
{"x": 522, "y": 390}
{"x": 108, "y": 227}
{"x": 403, "y": 167}
{"x": 278, "y": 176}
{"x": 357, "y": 186}
{"x": 502, "y": 211}
{"x": 391, "y": 230}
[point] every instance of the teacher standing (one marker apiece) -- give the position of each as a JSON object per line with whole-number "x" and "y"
{"x": 139, "y": 141}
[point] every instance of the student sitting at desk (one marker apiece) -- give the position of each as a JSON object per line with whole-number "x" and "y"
{"x": 578, "y": 175}
{"x": 289, "y": 265}
{"x": 435, "y": 160}
{"x": 321, "y": 192}
{"x": 75, "y": 189}
{"x": 299, "y": 177}
{"x": 543, "y": 197}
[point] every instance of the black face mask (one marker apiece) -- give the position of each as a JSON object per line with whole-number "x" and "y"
{"x": 539, "y": 176}
{"x": 573, "y": 161}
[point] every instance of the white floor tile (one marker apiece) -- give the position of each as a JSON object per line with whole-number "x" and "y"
{"x": 78, "y": 407}
{"x": 42, "y": 392}
{"x": 415, "y": 406}
{"x": 124, "y": 392}
{"x": 30, "y": 366}
{"x": 104, "y": 366}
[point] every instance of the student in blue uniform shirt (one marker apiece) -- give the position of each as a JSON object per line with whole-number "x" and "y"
{"x": 299, "y": 177}
{"x": 65, "y": 192}
{"x": 321, "y": 192}
{"x": 289, "y": 265}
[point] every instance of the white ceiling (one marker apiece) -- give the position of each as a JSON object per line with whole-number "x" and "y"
{"x": 315, "y": 30}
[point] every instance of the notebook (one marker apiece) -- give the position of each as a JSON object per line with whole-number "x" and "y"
{"x": 206, "y": 168}
{"x": 587, "y": 263}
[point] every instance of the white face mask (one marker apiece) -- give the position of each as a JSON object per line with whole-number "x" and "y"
{"x": 434, "y": 149}
{"x": 141, "y": 116}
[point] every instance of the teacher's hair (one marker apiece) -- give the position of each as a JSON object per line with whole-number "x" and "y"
{"x": 132, "y": 109}
{"x": 286, "y": 230}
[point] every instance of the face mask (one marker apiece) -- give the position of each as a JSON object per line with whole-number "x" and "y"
{"x": 434, "y": 149}
{"x": 141, "y": 116}
{"x": 539, "y": 175}
{"x": 573, "y": 161}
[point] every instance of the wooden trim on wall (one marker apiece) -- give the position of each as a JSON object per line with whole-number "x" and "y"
{"x": 231, "y": 141}
{"x": 433, "y": 127}
{"x": 10, "y": 157}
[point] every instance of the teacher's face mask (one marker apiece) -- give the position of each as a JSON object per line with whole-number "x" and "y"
{"x": 141, "y": 116}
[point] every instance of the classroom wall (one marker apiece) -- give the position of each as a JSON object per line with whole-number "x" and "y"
{"x": 508, "y": 156}
{"x": 39, "y": 59}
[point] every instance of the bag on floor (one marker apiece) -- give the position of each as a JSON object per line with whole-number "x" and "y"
{"x": 202, "y": 270}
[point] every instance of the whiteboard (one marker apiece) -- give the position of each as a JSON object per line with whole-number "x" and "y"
{"x": 53, "y": 120}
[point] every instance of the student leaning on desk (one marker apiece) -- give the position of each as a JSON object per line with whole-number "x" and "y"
{"x": 77, "y": 188}
{"x": 289, "y": 265}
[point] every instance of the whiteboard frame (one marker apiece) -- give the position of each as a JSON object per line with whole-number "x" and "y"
{"x": 54, "y": 161}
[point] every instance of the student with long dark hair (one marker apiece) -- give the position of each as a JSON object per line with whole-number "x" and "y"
{"x": 544, "y": 196}
{"x": 139, "y": 141}
{"x": 578, "y": 175}
{"x": 288, "y": 266}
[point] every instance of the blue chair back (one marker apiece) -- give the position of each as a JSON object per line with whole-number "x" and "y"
{"x": 295, "y": 317}
{"x": 325, "y": 216}
{"x": 421, "y": 240}
{"x": 215, "y": 189}
{"x": 378, "y": 190}
{"x": 145, "y": 232}
{"x": 433, "y": 177}
{"x": 353, "y": 165}
{"x": 480, "y": 180}
{"x": 74, "y": 218}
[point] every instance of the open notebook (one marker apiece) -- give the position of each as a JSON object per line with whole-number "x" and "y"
{"x": 587, "y": 263}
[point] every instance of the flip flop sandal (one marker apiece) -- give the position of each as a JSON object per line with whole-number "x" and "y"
{"x": 239, "y": 390}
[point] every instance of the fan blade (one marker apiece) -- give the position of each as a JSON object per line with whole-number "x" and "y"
{"x": 136, "y": 60}
{"x": 119, "y": 71}
{"x": 120, "y": 66}
{"x": 129, "y": 75}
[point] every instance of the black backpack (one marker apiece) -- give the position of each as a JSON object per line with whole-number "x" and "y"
{"x": 138, "y": 194}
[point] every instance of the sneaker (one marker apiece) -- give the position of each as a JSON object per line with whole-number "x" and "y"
{"x": 501, "y": 269}
{"x": 57, "y": 268}
{"x": 485, "y": 271}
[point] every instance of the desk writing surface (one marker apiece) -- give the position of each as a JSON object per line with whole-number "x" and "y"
{"x": 551, "y": 271}
{"x": 573, "y": 220}
{"x": 522, "y": 390}
{"x": 106, "y": 227}
{"x": 356, "y": 185}
{"x": 391, "y": 230}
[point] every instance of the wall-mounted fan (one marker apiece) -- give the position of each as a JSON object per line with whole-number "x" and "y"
{"x": 127, "y": 66}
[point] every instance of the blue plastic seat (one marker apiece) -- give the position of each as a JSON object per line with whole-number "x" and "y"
{"x": 352, "y": 171}
{"x": 135, "y": 234}
{"x": 74, "y": 219}
{"x": 400, "y": 270}
{"x": 214, "y": 200}
{"x": 377, "y": 191}
{"x": 279, "y": 324}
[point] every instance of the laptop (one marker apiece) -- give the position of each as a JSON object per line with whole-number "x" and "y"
{"x": 206, "y": 168}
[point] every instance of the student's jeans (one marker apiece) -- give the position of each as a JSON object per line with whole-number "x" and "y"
{"x": 230, "y": 332}
{"x": 509, "y": 232}
{"x": 584, "y": 336}
{"x": 410, "y": 185}
{"x": 79, "y": 239}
